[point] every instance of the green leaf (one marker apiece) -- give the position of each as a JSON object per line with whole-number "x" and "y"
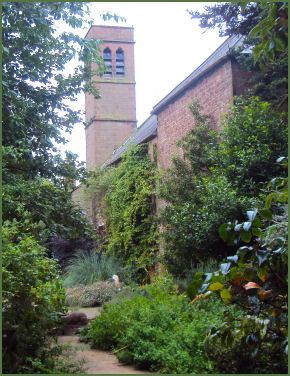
{"x": 226, "y": 296}
{"x": 223, "y": 231}
{"x": 246, "y": 236}
{"x": 194, "y": 286}
{"x": 266, "y": 213}
{"x": 256, "y": 231}
{"x": 215, "y": 286}
{"x": 256, "y": 223}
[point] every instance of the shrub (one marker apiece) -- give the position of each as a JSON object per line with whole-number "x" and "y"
{"x": 91, "y": 295}
{"x": 191, "y": 234}
{"x": 216, "y": 182}
{"x": 32, "y": 300}
{"x": 157, "y": 330}
{"x": 254, "y": 136}
{"x": 256, "y": 279}
{"x": 86, "y": 269}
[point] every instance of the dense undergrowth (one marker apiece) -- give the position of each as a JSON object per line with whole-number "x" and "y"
{"x": 156, "y": 329}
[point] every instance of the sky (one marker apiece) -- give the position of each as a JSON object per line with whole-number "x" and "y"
{"x": 169, "y": 45}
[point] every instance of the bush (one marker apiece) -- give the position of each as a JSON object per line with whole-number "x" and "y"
{"x": 91, "y": 295}
{"x": 86, "y": 269}
{"x": 254, "y": 136}
{"x": 191, "y": 234}
{"x": 32, "y": 300}
{"x": 255, "y": 278}
{"x": 216, "y": 182}
{"x": 157, "y": 329}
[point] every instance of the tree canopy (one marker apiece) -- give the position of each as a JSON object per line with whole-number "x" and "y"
{"x": 39, "y": 40}
{"x": 265, "y": 27}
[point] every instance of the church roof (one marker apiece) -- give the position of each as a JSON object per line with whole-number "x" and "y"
{"x": 144, "y": 133}
{"x": 220, "y": 53}
{"x": 148, "y": 129}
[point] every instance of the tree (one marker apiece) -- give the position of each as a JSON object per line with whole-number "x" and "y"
{"x": 266, "y": 30}
{"x": 36, "y": 106}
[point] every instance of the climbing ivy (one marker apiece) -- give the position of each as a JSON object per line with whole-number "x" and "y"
{"x": 124, "y": 197}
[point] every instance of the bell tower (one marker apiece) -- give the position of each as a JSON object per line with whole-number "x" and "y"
{"x": 113, "y": 116}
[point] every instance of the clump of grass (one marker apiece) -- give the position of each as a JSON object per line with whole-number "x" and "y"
{"x": 86, "y": 269}
{"x": 91, "y": 295}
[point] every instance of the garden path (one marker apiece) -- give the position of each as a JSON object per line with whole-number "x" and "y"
{"x": 96, "y": 361}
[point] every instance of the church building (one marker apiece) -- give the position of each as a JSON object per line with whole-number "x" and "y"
{"x": 112, "y": 118}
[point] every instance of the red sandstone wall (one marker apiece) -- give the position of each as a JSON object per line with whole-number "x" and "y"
{"x": 214, "y": 92}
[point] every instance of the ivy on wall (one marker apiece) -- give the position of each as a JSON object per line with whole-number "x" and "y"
{"x": 123, "y": 196}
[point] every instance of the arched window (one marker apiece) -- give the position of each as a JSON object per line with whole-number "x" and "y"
{"x": 120, "y": 64}
{"x": 108, "y": 61}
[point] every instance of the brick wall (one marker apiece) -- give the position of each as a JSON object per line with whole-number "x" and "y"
{"x": 214, "y": 90}
{"x": 104, "y": 137}
{"x": 114, "y": 113}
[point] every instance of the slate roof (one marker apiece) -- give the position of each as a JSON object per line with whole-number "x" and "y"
{"x": 148, "y": 129}
{"x": 144, "y": 133}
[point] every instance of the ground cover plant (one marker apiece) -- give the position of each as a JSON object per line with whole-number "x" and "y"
{"x": 156, "y": 329}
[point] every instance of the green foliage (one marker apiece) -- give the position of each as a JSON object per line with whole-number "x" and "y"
{"x": 85, "y": 269}
{"x": 218, "y": 181}
{"x": 273, "y": 31}
{"x": 156, "y": 330}
{"x": 230, "y": 17}
{"x": 36, "y": 112}
{"x": 32, "y": 299}
{"x": 44, "y": 209}
{"x": 255, "y": 278}
{"x": 253, "y": 137}
{"x": 126, "y": 193}
{"x": 267, "y": 24}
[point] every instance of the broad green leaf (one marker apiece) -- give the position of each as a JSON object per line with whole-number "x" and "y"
{"x": 223, "y": 231}
{"x": 256, "y": 222}
{"x": 266, "y": 213}
{"x": 226, "y": 296}
{"x": 256, "y": 231}
{"x": 246, "y": 236}
{"x": 216, "y": 286}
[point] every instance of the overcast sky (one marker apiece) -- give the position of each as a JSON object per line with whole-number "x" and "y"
{"x": 168, "y": 47}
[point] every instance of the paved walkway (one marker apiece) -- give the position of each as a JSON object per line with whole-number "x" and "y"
{"x": 97, "y": 361}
